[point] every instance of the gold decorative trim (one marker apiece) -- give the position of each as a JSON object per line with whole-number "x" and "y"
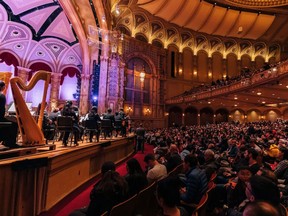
{"x": 260, "y": 3}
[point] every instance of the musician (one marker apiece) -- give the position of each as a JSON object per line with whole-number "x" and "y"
{"x": 124, "y": 122}
{"x": 69, "y": 111}
{"x": 140, "y": 138}
{"x": 8, "y": 134}
{"x": 93, "y": 115}
{"x": 110, "y": 116}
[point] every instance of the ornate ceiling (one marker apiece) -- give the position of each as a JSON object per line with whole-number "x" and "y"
{"x": 209, "y": 18}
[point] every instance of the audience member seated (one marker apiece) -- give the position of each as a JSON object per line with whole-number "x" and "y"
{"x": 237, "y": 187}
{"x": 260, "y": 188}
{"x": 172, "y": 158}
{"x": 156, "y": 171}
{"x": 252, "y": 155}
{"x": 196, "y": 181}
{"x": 168, "y": 197}
{"x": 260, "y": 209}
{"x": 135, "y": 177}
{"x": 93, "y": 208}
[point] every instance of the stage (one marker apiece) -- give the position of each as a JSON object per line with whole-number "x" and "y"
{"x": 34, "y": 183}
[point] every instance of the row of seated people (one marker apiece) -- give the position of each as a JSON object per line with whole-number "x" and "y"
{"x": 247, "y": 163}
{"x": 92, "y": 124}
{"x": 180, "y": 194}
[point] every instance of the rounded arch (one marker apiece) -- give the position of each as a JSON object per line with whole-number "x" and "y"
{"x": 245, "y": 61}
{"x": 206, "y": 116}
{"x": 141, "y": 37}
{"x": 237, "y": 115}
{"x": 221, "y": 115}
{"x": 10, "y": 58}
{"x": 254, "y": 115}
{"x": 202, "y": 66}
{"x": 39, "y": 65}
{"x": 187, "y": 64}
{"x": 259, "y": 61}
{"x": 175, "y": 116}
{"x": 157, "y": 43}
{"x": 217, "y": 66}
{"x": 191, "y": 114}
{"x": 271, "y": 114}
{"x": 123, "y": 29}
{"x": 232, "y": 69}
{"x": 146, "y": 58}
{"x": 285, "y": 114}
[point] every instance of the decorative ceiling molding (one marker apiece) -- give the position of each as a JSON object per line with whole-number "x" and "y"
{"x": 259, "y": 3}
{"x": 169, "y": 34}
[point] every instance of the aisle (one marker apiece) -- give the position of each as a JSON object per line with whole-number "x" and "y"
{"x": 80, "y": 197}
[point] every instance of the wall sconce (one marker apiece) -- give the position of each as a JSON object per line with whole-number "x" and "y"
{"x": 166, "y": 114}
{"x": 224, "y": 76}
{"x": 210, "y": 74}
{"x": 142, "y": 76}
{"x": 183, "y": 114}
{"x": 195, "y": 73}
{"x": 180, "y": 71}
{"x": 245, "y": 116}
{"x": 198, "y": 115}
{"x": 214, "y": 116}
{"x": 129, "y": 109}
{"x": 147, "y": 111}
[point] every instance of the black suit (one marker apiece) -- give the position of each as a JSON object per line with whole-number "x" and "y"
{"x": 8, "y": 133}
{"x": 140, "y": 133}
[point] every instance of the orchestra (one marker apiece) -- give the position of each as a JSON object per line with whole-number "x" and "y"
{"x": 9, "y": 129}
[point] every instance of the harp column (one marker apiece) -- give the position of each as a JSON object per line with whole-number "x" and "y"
{"x": 55, "y": 88}
{"x": 23, "y": 73}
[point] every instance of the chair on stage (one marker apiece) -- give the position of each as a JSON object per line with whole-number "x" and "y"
{"x": 106, "y": 127}
{"x": 64, "y": 124}
{"x": 91, "y": 127}
{"x": 126, "y": 208}
{"x": 118, "y": 126}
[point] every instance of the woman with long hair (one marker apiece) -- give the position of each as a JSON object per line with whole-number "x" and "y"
{"x": 135, "y": 177}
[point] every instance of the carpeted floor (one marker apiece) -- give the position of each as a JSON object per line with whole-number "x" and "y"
{"x": 80, "y": 197}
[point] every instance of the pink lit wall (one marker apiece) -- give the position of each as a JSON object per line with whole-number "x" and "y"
{"x": 68, "y": 88}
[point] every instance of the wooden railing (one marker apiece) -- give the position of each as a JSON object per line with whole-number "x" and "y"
{"x": 257, "y": 79}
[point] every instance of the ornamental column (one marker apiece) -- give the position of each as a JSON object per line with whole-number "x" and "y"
{"x": 54, "y": 90}
{"x": 23, "y": 73}
{"x": 103, "y": 85}
{"x": 84, "y": 93}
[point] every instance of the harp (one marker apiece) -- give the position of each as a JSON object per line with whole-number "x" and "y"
{"x": 30, "y": 130}
{"x": 5, "y": 76}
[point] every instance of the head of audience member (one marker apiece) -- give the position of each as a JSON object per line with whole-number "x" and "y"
{"x": 150, "y": 160}
{"x": 55, "y": 110}
{"x": 94, "y": 109}
{"x": 108, "y": 166}
{"x": 168, "y": 195}
{"x": 2, "y": 85}
{"x": 283, "y": 154}
{"x": 251, "y": 153}
{"x": 260, "y": 188}
{"x": 116, "y": 113}
{"x": 244, "y": 174}
{"x": 190, "y": 161}
{"x": 173, "y": 148}
{"x": 209, "y": 155}
{"x": 268, "y": 174}
{"x": 113, "y": 185}
{"x": 133, "y": 166}
{"x": 109, "y": 110}
{"x": 260, "y": 209}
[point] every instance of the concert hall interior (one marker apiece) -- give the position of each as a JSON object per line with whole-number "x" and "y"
{"x": 78, "y": 78}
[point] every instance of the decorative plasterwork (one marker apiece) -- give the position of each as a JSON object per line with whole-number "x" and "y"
{"x": 155, "y": 29}
{"x": 17, "y": 38}
{"x": 259, "y": 3}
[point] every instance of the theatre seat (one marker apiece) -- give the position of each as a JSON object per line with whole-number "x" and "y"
{"x": 125, "y": 208}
